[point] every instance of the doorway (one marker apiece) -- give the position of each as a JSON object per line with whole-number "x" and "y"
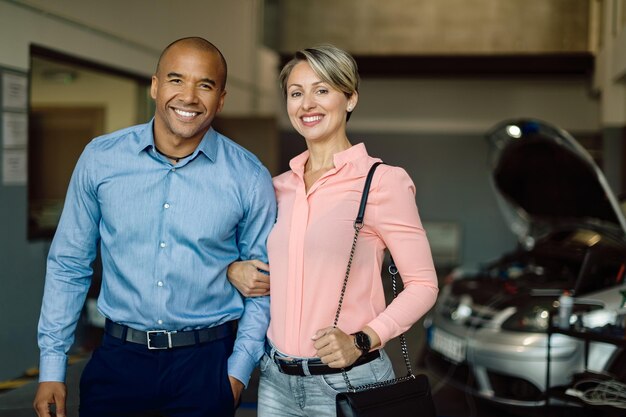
{"x": 71, "y": 102}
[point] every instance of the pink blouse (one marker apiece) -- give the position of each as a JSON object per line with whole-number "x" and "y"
{"x": 309, "y": 247}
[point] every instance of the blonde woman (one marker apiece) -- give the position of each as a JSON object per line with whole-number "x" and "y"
{"x": 309, "y": 245}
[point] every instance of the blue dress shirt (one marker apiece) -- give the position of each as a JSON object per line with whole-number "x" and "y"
{"x": 167, "y": 234}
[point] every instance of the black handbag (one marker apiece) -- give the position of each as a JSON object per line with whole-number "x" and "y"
{"x": 404, "y": 396}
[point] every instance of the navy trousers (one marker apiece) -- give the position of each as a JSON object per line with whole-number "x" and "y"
{"x": 124, "y": 379}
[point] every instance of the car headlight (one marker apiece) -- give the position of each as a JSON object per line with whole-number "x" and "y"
{"x": 530, "y": 318}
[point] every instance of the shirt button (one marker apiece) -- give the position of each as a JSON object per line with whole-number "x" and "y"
{"x": 166, "y": 205}
{"x": 173, "y": 169}
{"x": 159, "y": 321}
{"x": 160, "y": 283}
{"x": 162, "y": 244}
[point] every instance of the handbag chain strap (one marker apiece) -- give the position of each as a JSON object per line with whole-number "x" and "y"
{"x": 393, "y": 271}
{"x": 357, "y": 229}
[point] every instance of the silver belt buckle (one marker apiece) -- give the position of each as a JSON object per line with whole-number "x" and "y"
{"x": 156, "y": 332}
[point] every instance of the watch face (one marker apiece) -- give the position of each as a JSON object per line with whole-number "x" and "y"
{"x": 362, "y": 341}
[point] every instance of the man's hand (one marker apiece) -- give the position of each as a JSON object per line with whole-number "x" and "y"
{"x": 237, "y": 387}
{"x": 51, "y": 393}
{"x": 251, "y": 277}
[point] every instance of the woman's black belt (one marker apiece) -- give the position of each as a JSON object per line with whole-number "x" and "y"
{"x": 315, "y": 366}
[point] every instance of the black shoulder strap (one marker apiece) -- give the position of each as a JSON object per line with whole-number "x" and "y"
{"x": 359, "y": 218}
{"x": 358, "y": 225}
{"x": 366, "y": 189}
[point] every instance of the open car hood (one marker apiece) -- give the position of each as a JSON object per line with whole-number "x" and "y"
{"x": 545, "y": 179}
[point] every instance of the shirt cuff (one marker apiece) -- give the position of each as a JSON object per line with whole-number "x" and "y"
{"x": 382, "y": 330}
{"x": 52, "y": 368}
{"x": 240, "y": 366}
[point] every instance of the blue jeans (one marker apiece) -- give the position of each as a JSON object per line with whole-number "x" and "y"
{"x": 313, "y": 396}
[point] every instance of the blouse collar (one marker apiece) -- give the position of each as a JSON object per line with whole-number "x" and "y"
{"x": 340, "y": 158}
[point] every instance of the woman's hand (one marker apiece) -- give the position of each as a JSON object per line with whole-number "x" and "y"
{"x": 251, "y": 277}
{"x": 335, "y": 347}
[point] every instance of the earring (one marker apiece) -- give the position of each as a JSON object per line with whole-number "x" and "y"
{"x": 350, "y": 108}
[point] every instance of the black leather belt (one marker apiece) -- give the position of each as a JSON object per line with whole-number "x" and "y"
{"x": 293, "y": 366}
{"x": 164, "y": 339}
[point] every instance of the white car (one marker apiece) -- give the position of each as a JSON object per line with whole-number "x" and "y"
{"x": 488, "y": 331}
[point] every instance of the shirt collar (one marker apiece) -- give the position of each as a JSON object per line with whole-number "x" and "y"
{"x": 340, "y": 158}
{"x": 208, "y": 145}
{"x": 146, "y": 137}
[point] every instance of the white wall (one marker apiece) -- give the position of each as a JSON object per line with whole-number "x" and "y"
{"x": 473, "y": 105}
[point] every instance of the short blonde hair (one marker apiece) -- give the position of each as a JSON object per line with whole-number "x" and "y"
{"x": 333, "y": 65}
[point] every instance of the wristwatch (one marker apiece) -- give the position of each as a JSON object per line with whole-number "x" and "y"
{"x": 362, "y": 342}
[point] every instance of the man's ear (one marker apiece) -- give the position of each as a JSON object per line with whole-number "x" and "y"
{"x": 154, "y": 87}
